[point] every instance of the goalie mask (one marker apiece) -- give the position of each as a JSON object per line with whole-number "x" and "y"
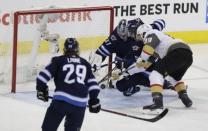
{"x": 71, "y": 46}
{"x": 132, "y": 27}
{"x": 122, "y": 29}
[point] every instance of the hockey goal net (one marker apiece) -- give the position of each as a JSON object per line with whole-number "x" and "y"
{"x": 38, "y": 34}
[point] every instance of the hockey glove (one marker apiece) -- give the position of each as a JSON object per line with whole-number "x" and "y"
{"x": 142, "y": 63}
{"x": 116, "y": 74}
{"x": 42, "y": 93}
{"x": 94, "y": 105}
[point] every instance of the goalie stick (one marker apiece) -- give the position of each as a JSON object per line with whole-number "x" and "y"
{"x": 154, "y": 119}
{"x": 107, "y": 76}
{"x": 95, "y": 68}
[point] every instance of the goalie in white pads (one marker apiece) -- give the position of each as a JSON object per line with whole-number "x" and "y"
{"x": 175, "y": 59}
{"x": 45, "y": 34}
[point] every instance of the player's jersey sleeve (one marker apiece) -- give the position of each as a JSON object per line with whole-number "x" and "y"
{"x": 152, "y": 40}
{"x": 91, "y": 83}
{"x": 47, "y": 73}
{"x": 158, "y": 24}
{"x": 109, "y": 45}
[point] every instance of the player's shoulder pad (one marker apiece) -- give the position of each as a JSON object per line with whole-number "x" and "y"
{"x": 153, "y": 37}
{"x": 113, "y": 36}
{"x": 55, "y": 58}
{"x": 84, "y": 61}
{"x": 151, "y": 33}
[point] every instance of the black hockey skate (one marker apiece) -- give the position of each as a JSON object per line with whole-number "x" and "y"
{"x": 157, "y": 107}
{"x": 132, "y": 90}
{"x": 184, "y": 98}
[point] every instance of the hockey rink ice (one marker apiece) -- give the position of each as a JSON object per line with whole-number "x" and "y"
{"x": 23, "y": 112}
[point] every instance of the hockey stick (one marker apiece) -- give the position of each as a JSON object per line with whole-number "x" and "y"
{"x": 154, "y": 119}
{"x": 107, "y": 76}
{"x": 126, "y": 70}
{"x": 95, "y": 68}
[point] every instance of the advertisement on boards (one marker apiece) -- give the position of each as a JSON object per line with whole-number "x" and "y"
{"x": 207, "y": 12}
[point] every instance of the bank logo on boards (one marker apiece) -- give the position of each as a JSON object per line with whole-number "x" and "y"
{"x": 207, "y": 12}
{"x": 71, "y": 17}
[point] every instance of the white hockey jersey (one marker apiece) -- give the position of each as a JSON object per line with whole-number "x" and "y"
{"x": 160, "y": 41}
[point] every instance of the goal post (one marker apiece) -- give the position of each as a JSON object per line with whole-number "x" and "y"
{"x": 97, "y": 22}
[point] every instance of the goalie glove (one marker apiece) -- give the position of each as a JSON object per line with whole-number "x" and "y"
{"x": 146, "y": 64}
{"x": 145, "y": 60}
{"x": 142, "y": 63}
{"x": 53, "y": 41}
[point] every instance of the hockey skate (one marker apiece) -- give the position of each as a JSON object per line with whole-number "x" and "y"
{"x": 132, "y": 90}
{"x": 156, "y": 107}
{"x": 184, "y": 98}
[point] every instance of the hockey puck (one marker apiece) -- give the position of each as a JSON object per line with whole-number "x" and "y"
{"x": 102, "y": 86}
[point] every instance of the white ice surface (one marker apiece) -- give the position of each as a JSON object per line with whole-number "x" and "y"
{"x": 23, "y": 112}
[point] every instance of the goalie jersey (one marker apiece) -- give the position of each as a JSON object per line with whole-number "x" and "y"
{"x": 73, "y": 79}
{"x": 125, "y": 50}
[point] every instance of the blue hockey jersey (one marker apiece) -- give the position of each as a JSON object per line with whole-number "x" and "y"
{"x": 73, "y": 79}
{"x": 125, "y": 50}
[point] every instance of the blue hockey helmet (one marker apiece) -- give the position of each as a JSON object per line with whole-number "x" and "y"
{"x": 71, "y": 45}
{"x": 158, "y": 24}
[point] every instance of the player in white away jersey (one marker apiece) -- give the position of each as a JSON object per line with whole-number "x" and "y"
{"x": 175, "y": 57}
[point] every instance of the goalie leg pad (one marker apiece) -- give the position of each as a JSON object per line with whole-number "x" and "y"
{"x": 121, "y": 85}
{"x": 132, "y": 80}
{"x": 132, "y": 90}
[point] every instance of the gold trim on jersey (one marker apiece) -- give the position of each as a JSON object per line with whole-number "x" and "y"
{"x": 156, "y": 88}
{"x": 180, "y": 86}
{"x": 148, "y": 49}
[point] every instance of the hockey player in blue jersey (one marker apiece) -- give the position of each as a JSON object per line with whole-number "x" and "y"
{"x": 122, "y": 42}
{"x": 74, "y": 80}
